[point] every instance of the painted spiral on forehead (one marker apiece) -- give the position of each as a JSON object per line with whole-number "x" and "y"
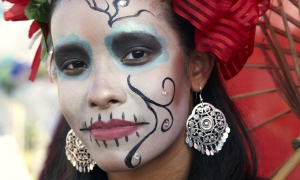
{"x": 148, "y": 102}
{"x": 116, "y": 4}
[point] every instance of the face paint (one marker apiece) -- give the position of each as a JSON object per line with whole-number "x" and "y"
{"x": 116, "y": 4}
{"x": 124, "y": 40}
{"x": 73, "y": 57}
{"x": 116, "y": 129}
{"x": 149, "y": 102}
{"x": 133, "y": 61}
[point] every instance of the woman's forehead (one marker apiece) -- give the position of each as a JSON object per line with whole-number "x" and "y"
{"x": 91, "y": 19}
{"x": 114, "y": 10}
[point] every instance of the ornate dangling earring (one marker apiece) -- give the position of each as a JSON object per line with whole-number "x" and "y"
{"x": 206, "y": 128}
{"x": 77, "y": 153}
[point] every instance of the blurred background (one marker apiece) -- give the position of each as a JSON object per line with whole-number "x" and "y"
{"x": 28, "y": 111}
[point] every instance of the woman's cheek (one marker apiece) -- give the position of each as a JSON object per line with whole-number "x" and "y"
{"x": 70, "y": 99}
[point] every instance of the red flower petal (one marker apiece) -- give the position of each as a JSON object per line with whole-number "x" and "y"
{"x": 34, "y": 27}
{"x": 16, "y": 13}
{"x": 17, "y": 1}
{"x": 35, "y": 64}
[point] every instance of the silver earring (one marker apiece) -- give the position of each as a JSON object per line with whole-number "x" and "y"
{"x": 206, "y": 128}
{"x": 77, "y": 153}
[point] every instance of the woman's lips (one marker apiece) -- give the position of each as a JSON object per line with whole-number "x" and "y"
{"x": 113, "y": 129}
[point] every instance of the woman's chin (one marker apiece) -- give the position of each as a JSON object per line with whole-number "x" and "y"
{"x": 117, "y": 164}
{"x": 113, "y": 167}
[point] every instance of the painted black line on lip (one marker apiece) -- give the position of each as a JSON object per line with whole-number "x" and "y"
{"x": 83, "y": 129}
{"x": 137, "y": 134}
{"x": 104, "y": 142}
{"x": 135, "y": 119}
{"x": 137, "y": 124}
{"x": 126, "y": 138}
{"x": 123, "y": 116}
{"x": 117, "y": 142}
{"x": 91, "y": 138}
{"x": 99, "y": 117}
{"x": 97, "y": 142}
{"x": 111, "y": 115}
{"x": 91, "y": 121}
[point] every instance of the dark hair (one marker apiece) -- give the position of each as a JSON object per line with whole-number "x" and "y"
{"x": 236, "y": 160}
{"x": 57, "y": 166}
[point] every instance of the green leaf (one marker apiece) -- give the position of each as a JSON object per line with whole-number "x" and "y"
{"x": 43, "y": 27}
{"x": 38, "y": 10}
{"x": 42, "y": 1}
{"x": 44, "y": 52}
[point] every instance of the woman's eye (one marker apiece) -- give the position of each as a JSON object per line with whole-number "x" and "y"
{"x": 76, "y": 64}
{"x": 135, "y": 54}
{"x": 72, "y": 59}
{"x": 136, "y": 48}
{"x": 137, "y": 57}
{"x": 74, "y": 67}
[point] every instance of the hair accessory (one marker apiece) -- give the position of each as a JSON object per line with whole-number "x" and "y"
{"x": 77, "y": 153}
{"x": 206, "y": 128}
{"x": 224, "y": 27}
{"x": 38, "y": 10}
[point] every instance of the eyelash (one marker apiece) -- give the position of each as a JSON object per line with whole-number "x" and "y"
{"x": 129, "y": 59}
{"x": 74, "y": 71}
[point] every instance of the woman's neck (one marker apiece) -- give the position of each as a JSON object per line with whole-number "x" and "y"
{"x": 174, "y": 163}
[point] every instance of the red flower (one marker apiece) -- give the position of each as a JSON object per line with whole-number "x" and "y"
{"x": 16, "y": 12}
{"x": 34, "y": 27}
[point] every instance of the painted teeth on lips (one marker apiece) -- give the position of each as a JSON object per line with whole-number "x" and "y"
{"x": 113, "y": 129}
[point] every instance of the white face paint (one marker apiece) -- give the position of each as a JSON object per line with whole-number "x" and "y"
{"x": 121, "y": 81}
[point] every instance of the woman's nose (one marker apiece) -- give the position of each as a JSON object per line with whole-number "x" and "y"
{"x": 105, "y": 93}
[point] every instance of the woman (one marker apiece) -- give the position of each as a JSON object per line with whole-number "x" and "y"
{"x": 130, "y": 76}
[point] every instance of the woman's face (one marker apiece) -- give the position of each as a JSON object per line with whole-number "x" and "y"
{"x": 121, "y": 79}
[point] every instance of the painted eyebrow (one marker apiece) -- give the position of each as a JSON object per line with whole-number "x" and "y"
{"x": 69, "y": 50}
{"x": 124, "y": 41}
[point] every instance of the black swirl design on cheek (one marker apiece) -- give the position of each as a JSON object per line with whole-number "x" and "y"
{"x": 112, "y": 17}
{"x": 170, "y": 122}
{"x": 148, "y": 102}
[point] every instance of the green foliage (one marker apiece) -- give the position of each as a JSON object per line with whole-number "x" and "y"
{"x": 38, "y": 10}
{"x": 44, "y": 53}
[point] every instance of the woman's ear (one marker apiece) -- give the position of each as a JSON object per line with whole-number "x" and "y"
{"x": 200, "y": 68}
{"x": 51, "y": 67}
